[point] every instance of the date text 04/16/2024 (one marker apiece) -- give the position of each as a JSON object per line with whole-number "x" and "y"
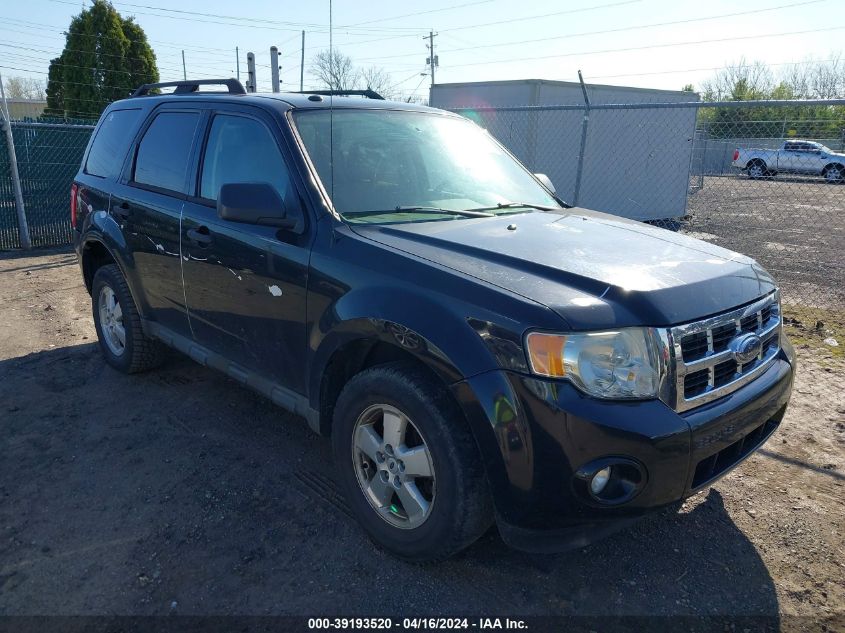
{"x": 417, "y": 623}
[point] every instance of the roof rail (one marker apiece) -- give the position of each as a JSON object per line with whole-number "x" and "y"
{"x": 189, "y": 86}
{"x": 370, "y": 94}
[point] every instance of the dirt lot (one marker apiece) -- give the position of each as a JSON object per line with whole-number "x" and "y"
{"x": 180, "y": 492}
{"x": 794, "y": 226}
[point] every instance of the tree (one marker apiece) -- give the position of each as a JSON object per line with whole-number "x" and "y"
{"x": 24, "y": 88}
{"x": 105, "y": 57}
{"x": 688, "y": 88}
{"x": 378, "y": 79}
{"x": 335, "y": 70}
{"x": 739, "y": 82}
{"x": 809, "y": 79}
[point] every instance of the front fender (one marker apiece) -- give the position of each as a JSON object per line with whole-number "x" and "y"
{"x": 434, "y": 333}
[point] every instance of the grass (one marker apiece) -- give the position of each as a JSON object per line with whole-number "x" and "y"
{"x": 808, "y": 328}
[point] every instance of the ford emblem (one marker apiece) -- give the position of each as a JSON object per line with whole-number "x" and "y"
{"x": 746, "y": 347}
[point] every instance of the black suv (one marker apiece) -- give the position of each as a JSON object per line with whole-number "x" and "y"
{"x": 477, "y": 350}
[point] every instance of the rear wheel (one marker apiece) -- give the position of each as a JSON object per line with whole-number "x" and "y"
{"x": 408, "y": 464}
{"x": 118, "y": 324}
{"x": 834, "y": 173}
{"x": 757, "y": 169}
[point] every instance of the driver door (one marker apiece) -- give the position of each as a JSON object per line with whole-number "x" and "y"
{"x": 245, "y": 284}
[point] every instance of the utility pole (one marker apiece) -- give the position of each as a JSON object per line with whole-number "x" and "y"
{"x": 238, "y": 62}
{"x": 302, "y": 64}
{"x": 274, "y": 68}
{"x": 250, "y": 72}
{"x": 6, "y": 121}
{"x": 432, "y": 60}
{"x": 184, "y": 70}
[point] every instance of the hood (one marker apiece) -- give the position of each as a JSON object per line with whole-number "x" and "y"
{"x": 595, "y": 270}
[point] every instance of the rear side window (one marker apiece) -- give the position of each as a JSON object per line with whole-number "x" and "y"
{"x": 241, "y": 150}
{"x": 165, "y": 150}
{"x": 109, "y": 147}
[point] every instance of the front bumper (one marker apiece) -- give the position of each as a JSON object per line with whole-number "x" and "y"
{"x": 544, "y": 431}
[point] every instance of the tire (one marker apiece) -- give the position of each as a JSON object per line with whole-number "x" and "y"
{"x": 118, "y": 324}
{"x": 834, "y": 173}
{"x": 422, "y": 519}
{"x": 757, "y": 170}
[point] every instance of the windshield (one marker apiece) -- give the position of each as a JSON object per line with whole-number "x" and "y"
{"x": 402, "y": 166}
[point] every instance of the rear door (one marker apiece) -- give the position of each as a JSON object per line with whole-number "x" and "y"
{"x": 147, "y": 203}
{"x": 245, "y": 284}
{"x": 801, "y": 157}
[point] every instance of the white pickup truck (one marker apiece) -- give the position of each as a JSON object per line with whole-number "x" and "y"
{"x": 794, "y": 157}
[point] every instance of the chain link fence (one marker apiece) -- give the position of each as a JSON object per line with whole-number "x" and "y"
{"x": 48, "y": 157}
{"x": 766, "y": 179}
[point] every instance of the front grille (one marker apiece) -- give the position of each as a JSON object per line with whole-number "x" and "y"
{"x": 706, "y": 365}
{"x": 713, "y": 466}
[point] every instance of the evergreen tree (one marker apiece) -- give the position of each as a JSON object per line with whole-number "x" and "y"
{"x": 105, "y": 57}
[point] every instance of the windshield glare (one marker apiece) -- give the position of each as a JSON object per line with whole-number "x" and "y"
{"x": 385, "y": 159}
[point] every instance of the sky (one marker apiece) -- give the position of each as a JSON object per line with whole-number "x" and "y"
{"x": 644, "y": 43}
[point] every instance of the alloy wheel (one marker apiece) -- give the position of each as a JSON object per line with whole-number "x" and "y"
{"x": 393, "y": 466}
{"x": 111, "y": 321}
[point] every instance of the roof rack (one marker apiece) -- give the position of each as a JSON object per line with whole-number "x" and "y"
{"x": 370, "y": 94}
{"x": 187, "y": 87}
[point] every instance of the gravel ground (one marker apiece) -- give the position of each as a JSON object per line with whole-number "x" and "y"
{"x": 179, "y": 492}
{"x": 794, "y": 226}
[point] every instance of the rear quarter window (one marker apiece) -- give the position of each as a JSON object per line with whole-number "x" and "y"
{"x": 111, "y": 142}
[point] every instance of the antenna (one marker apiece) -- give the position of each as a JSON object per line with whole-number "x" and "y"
{"x": 331, "y": 110}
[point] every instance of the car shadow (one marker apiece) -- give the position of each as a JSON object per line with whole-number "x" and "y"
{"x": 179, "y": 491}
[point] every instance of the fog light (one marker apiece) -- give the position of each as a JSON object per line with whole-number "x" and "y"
{"x": 599, "y": 480}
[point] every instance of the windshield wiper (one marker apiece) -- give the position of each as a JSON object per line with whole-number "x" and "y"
{"x": 469, "y": 213}
{"x": 513, "y": 205}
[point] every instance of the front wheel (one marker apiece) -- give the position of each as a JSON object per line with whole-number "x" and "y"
{"x": 408, "y": 464}
{"x": 834, "y": 174}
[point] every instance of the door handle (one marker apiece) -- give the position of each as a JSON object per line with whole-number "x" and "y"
{"x": 122, "y": 210}
{"x": 199, "y": 236}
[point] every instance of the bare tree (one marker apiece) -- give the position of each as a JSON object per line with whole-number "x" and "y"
{"x": 335, "y": 70}
{"x": 827, "y": 79}
{"x": 797, "y": 78}
{"x": 739, "y": 82}
{"x": 809, "y": 79}
{"x": 24, "y": 88}
{"x": 378, "y": 79}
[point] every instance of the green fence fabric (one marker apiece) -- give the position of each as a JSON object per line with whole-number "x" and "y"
{"x": 48, "y": 157}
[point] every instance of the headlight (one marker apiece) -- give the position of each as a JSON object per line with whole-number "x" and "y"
{"x": 622, "y": 364}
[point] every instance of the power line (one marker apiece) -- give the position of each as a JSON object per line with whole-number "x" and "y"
{"x": 408, "y": 15}
{"x": 616, "y": 30}
{"x": 648, "y": 47}
{"x": 544, "y": 15}
{"x": 232, "y": 20}
{"x": 40, "y": 26}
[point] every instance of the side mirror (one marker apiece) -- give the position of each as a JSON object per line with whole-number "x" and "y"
{"x": 545, "y": 181}
{"x": 256, "y": 203}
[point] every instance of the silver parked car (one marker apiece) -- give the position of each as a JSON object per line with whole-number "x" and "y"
{"x": 793, "y": 157}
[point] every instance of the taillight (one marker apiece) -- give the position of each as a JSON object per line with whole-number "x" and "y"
{"x": 736, "y": 154}
{"x": 73, "y": 190}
